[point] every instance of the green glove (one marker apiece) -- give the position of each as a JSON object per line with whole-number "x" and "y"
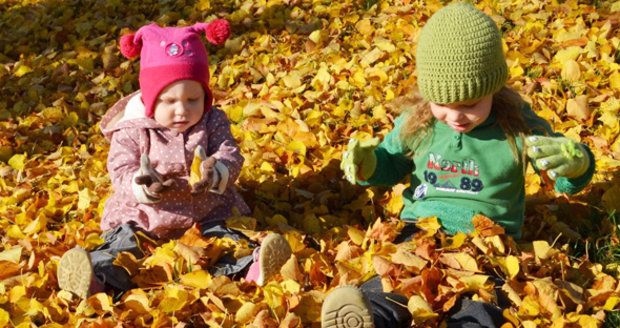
{"x": 359, "y": 161}
{"x": 561, "y": 157}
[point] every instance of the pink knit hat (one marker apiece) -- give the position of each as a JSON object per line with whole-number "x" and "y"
{"x": 170, "y": 54}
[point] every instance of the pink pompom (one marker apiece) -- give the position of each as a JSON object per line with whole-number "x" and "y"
{"x": 130, "y": 49}
{"x": 217, "y": 31}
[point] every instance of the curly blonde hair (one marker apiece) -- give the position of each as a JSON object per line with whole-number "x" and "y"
{"x": 507, "y": 106}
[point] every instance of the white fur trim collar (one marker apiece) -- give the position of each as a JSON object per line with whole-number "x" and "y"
{"x": 135, "y": 109}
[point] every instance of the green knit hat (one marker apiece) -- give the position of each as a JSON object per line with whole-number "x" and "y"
{"x": 459, "y": 55}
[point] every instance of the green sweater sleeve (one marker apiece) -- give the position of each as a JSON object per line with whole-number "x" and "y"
{"x": 539, "y": 126}
{"x": 393, "y": 164}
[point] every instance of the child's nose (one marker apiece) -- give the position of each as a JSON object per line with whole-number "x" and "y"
{"x": 181, "y": 108}
{"x": 455, "y": 115}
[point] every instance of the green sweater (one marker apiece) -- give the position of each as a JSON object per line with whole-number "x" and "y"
{"x": 457, "y": 175}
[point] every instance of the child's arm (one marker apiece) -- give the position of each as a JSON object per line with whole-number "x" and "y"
{"x": 388, "y": 162}
{"x": 569, "y": 163}
{"x": 129, "y": 170}
{"x": 223, "y": 147}
{"x": 123, "y": 162}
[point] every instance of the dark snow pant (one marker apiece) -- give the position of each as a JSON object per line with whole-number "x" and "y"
{"x": 124, "y": 239}
{"x": 389, "y": 310}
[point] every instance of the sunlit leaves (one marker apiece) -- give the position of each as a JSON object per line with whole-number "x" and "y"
{"x": 297, "y": 80}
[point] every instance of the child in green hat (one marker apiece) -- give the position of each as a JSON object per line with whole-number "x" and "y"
{"x": 465, "y": 143}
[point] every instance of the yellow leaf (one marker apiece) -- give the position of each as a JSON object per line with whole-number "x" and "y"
{"x": 455, "y": 242}
{"x": 315, "y": 36}
{"x": 578, "y": 107}
{"x": 16, "y": 293}
{"x": 365, "y": 27}
{"x": 138, "y": 301}
{"x": 292, "y": 80}
{"x": 15, "y": 232}
{"x": 199, "y": 279}
{"x": 322, "y": 79}
{"x": 235, "y": 113}
{"x": 385, "y": 45}
{"x": 529, "y": 307}
{"x": 12, "y": 255}
{"x": 420, "y": 309}
{"x": 17, "y": 162}
{"x": 174, "y": 299}
{"x": 276, "y": 220}
{"x": 614, "y": 81}
{"x": 497, "y": 242}
{"x": 466, "y": 261}
{"x": 22, "y": 70}
{"x": 246, "y": 312}
{"x": 274, "y": 295}
{"x": 570, "y": 71}
{"x": 474, "y": 282}
{"x": 84, "y": 199}
{"x": 542, "y": 250}
{"x": 195, "y": 174}
{"x": 429, "y": 225}
{"x": 356, "y": 235}
{"x": 4, "y": 318}
{"x": 516, "y": 70}
{"x": 358, "y": 79}
{"x": 404, "y": 255}
{"x": 610, "y": 303}
{"x": 101, "y": 301}
{"x": 510, "y": 265}
{"x": 611, "y": 198}
{"x": 370, "y": 57}
{"x": 297, "y": 147}
{"x": 570, "y": 53}
{"x": 290, "y": 286}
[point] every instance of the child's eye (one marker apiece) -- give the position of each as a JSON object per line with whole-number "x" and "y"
{"x": 469, "y": 105}
{"x": 193, "y": 99}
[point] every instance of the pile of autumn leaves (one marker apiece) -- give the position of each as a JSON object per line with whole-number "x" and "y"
{"x": 539, "y": 285}
{"x": 295, "y": 88}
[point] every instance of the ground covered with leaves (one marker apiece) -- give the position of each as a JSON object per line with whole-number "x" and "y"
{"x": 297, "y": 79}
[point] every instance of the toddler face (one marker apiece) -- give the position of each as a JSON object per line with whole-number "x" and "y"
{"x": 180, "y": 105}
{"x": 463, "y": 116}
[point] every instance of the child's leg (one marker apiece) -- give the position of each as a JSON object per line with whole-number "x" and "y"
{"x": 84, "y": 273}
{"x": 274, "y": 249}
{"x": 120, "y": 239}
{"x": 474, "y": 314}
{"x": 228, "y": 265}
{"x": 388, "y": 309}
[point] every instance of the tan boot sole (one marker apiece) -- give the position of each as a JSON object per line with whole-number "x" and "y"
{"x": 274, "y": 252}
{"x": 346, "y": 307}
{"x": 75, "y": 272}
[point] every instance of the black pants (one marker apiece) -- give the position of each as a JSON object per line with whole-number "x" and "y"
{"x": 388, "y": 310}
{"x": 124, "y": 239}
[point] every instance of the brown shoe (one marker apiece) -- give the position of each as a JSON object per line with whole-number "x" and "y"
{"x": 346, "y": 307}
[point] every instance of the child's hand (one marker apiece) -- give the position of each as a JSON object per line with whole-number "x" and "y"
{"x": 359, "y": 161}
{"x": 560, "y": 157}
{"x": 152, "y": 182}
{"x": 203, "y": 174}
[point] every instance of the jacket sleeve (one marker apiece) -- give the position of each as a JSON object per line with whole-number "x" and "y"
{"x": 124, "y": 161}
{"x": 538, "y": 126}
{"x": 393, "y": 161}
{"x": 223, "y": 147}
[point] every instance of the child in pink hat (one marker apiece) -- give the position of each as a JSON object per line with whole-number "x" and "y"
{"x": 154, "y": 135}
